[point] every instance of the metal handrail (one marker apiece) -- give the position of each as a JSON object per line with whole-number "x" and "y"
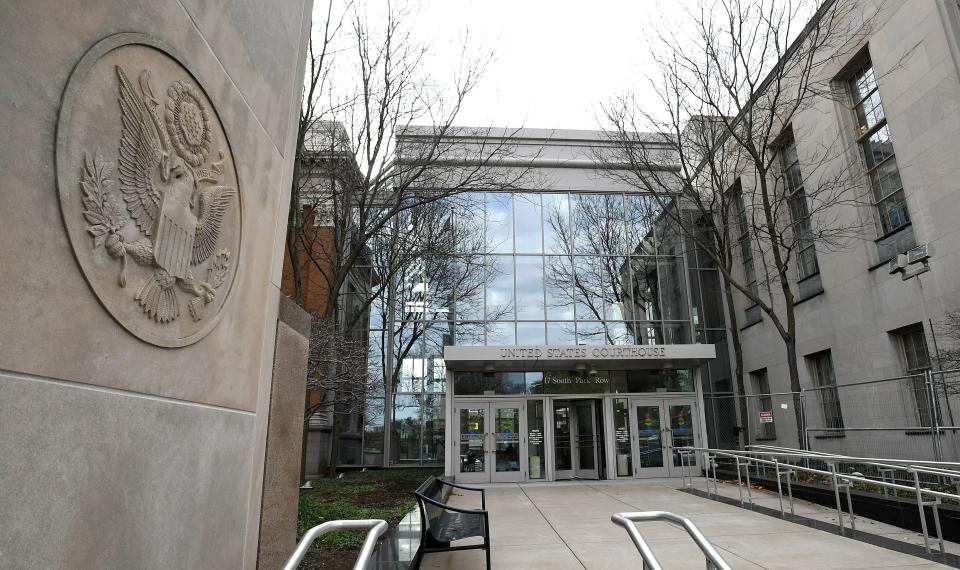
{"x": 838, "y": 481}
{"x": 650, "y": 562}
{"x": 374, "y": 527}
{"x": 909, "y": 465}
{"x": 851, "y": 477}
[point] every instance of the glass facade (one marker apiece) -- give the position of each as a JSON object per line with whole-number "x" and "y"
{"x": 501, "y": 269}
{"x": 569, "y": 269}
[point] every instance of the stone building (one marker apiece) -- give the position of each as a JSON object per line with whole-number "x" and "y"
{"x": 548, "y": 371}
{"x": 326, "y": 169}
{"x": 892, "y": 125}
{"x": 146, "y": 351}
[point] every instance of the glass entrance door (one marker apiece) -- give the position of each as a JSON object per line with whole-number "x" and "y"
{"x": 575, "y": 438}
{"x": 661, "y": 426}
{"x": 586, "y": 441}
{"x": 489, "y": 442}
{"x": 506, "y": 435}
{"x": 472, "y": 445}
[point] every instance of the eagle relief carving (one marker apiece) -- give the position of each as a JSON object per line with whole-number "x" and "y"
{"x": 155, "y": 189}
{"x": 172, "y": 195}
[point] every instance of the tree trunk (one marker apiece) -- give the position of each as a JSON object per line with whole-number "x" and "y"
{"x": 334, "y": 454}
{"x": 293, "y": 250}
{"x": 303, "y": 451}
{"x": 794, "y": 370}
{"x": 741, "y": 394}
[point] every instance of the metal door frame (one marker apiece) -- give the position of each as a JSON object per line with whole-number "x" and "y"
{"x": 598, "y": 428}
{"x": 474, "y": 477}
{"x": 521, "y": 431}
{"x": 579, "y": 472}
{"x": 666, "y": 434}
{"x": 490, "y": 474}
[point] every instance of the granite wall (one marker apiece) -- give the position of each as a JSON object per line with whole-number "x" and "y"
{"x": 127, "y": 440}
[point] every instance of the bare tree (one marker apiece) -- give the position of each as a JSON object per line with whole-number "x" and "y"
{"x": 392, "y": 93}
{"x": 596, "y": 236}
{"x": 338, "y": 377}
{"x": 356, "y": 189}
{"x": 729, "y": 96}
{"x": 948, "y": 329}
{"x": 434, "y": 254}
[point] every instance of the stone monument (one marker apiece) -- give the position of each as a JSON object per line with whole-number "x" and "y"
{"x": 143, "y": 381}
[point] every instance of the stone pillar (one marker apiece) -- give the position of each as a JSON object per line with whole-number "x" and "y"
{"x": 281, "y": 471}
{"x": 146, "y": 170}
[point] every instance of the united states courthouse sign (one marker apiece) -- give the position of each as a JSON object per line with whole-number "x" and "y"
{"x": 608, "y": 356}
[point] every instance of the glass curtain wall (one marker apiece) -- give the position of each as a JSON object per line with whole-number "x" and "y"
{"x": 572, "y": 268}
{"x": 709, "y": 322}
{"x": 507, "y": 269}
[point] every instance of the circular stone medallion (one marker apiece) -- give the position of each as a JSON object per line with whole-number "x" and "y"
{"x": 148, "y": 190}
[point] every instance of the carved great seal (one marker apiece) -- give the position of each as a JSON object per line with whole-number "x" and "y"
{"x": 148, "y": 190}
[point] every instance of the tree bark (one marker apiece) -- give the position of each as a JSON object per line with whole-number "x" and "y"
{"x": 741, "y": 393}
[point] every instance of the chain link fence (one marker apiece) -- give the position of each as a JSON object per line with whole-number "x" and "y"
{"x": 734, "y": 420}
{"x": 907, "y": 417}
{"x": 891, "y": 418}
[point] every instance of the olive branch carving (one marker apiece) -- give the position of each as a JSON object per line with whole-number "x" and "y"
{"x": 106, "y": 218}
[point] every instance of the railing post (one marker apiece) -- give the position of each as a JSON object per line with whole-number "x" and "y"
{"x": 923, "y": 516}
{"x": 836, "y": 493}
{"x": 790, "y": 489}
{"x": 853, "y": 517}
{"x": 934, "y": 416}
{"x": 706, "y": 468}
{"x": 716, "y": 481}
{"x": 776, "y": 467}
{"x": 749, "y": 490}
{"x": 739, "y": 480}
{"x": 936, "y": 522}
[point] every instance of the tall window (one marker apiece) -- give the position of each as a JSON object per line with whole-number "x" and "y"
{"x": 799, "y": 210}
{"x": 821, "y": 367}
{"x": 916, "y": 360}
{"x": 761, "y": 388}
{"x": 743, "y": 237}
{"x": 877, "y": 147}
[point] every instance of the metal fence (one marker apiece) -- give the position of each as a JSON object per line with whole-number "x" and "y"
{"x": 906, "y": 417}
{"x": 763, "y": 418}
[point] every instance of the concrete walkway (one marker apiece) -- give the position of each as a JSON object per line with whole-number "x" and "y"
{"x": 567, "y": 525}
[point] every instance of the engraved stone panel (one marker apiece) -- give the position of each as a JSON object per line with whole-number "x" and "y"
{"x": 148, "y": 190}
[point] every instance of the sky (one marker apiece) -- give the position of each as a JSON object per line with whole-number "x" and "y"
{"x": 554, "y": 63}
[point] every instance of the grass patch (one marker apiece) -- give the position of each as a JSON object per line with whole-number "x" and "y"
{"x": 377, "y": 494}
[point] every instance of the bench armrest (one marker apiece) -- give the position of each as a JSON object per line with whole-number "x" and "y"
{"x": 483, "y": 493}
{"x": 445, "y": 506}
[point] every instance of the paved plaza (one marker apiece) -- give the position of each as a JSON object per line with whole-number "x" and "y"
{"x": 567, "y": 525}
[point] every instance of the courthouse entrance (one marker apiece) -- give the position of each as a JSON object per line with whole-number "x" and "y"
{"x": 488, "y": 436}
{"x": 576, "y": 427}
{"x": 661, "y": 425}
{"x": 548, "y": 413}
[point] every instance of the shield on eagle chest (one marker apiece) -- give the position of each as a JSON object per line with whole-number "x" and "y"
{"x": 176, "y": 229}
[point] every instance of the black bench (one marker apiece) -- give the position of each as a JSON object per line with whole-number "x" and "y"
{"x": 441, "y": 523}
